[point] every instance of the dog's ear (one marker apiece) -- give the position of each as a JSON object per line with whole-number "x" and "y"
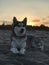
{"x": 14, "y": 20}
{"x": 25, "y": 21}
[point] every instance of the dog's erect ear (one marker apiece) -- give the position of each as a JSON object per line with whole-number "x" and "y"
{"x": 25, "y": 21}
{"x": 14, "y": 21}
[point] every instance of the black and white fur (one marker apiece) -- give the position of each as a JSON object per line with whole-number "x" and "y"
{"x": 18, "y": 39}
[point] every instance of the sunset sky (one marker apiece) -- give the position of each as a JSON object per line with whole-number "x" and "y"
{"x": 36, "y": 11}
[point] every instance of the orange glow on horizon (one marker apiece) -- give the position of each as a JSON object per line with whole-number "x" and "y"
{"x": 30, "y": 20}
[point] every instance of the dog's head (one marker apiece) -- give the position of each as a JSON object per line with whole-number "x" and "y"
{"x": 19, "y": 27}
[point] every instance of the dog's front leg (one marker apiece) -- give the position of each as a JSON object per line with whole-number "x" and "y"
{"x": 23, "y": 48}
{"x": 13, "y": 47}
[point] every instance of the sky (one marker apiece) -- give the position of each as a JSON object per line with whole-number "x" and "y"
{"x": 36, "y": 11}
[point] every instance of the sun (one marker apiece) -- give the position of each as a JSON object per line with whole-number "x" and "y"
{"x": 30, "y": 23}
{"x": 30, "y": 20}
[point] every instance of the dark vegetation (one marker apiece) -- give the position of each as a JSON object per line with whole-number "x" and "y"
{"x": 41, "y": 27}
{"x": 28, "y": 27}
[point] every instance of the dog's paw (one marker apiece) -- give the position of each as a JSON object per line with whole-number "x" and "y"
{"x": 14, "y": 50}
{"x": 22, "y": 51}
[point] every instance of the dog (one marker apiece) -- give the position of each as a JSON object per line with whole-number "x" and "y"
{"x": 19, "y": 37}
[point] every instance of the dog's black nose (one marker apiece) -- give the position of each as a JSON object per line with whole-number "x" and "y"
{"x": 22, "y": 30}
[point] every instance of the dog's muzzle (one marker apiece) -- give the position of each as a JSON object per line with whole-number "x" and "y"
{"x": 20, "y": 31}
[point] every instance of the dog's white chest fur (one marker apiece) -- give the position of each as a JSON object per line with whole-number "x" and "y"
{"x": 19, "y": 42}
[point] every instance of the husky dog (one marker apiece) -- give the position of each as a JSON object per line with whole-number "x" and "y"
{"x": 18, "y": 39}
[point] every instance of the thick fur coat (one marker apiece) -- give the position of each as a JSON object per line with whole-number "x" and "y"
{"x": 19, "y": 37}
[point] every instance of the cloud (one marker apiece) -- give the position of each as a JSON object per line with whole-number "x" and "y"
{"x": 43, "y": 18}
{"x": 36, "y": 20}
{"x": 47, "y": 16}
{"x": 46, "y": 22}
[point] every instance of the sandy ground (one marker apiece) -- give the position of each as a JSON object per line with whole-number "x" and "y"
{"x": 33, "y": 55}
